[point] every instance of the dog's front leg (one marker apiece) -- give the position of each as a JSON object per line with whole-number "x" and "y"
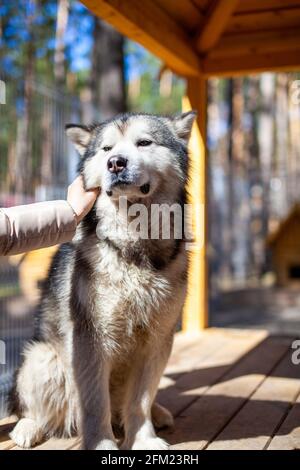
{"x": 92, "y": 372}
{"x": 145, "y": 375}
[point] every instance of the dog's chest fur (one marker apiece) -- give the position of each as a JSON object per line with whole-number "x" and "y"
{"x": 113, "y": 286}
{"x": 133, "y": 288}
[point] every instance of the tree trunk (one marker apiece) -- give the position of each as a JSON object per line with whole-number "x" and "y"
{"x": 239, "y": 201}
{"x": 282, "y": 142}
{"x": 230, "y": 193}
{"x": 59, "y": 54}
{"x": 59, "y": 164}
{"x": 107, "y": 78}
{"x": 256, "y": 233}
{"x": 24, "y": 141}
{"x": 46, "y": 160}
{"x": 266, "y": 145}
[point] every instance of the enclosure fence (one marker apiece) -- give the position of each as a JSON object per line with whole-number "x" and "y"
{"x": 36, "y": 163}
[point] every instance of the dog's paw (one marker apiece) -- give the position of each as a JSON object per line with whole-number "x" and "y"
{"x": 107, "y": 444}
{"x": 153, "y": 443}
{"x": 26, "y": 433}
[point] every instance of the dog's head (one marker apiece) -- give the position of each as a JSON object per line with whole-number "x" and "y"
{"x": 133, "y": 154}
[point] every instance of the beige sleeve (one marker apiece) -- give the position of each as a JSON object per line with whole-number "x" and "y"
{"x": 33, "y": 226}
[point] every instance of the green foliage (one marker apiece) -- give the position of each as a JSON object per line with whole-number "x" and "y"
{"x": 147, "y": 67}
{"x": 149, "y": 100}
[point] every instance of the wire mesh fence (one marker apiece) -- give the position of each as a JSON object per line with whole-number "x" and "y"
{"x": 36, "y": 163}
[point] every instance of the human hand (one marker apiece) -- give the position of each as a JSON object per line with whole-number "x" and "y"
{"x": 81, "y": 200}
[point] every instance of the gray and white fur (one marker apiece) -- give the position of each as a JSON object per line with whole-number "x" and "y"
{"x": 110, "y": 304}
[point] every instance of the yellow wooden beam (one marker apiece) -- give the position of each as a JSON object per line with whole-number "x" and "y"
{"x": 145, "y": 22}
{"x": 286, "y": 61}
{"x": 217, "y": 20}
{"x": 195, "y": 313}
{"x": 256, "y": 43}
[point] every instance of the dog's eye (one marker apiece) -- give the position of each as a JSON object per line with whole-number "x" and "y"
{"x": 107, "y": 148}
{"x": 143, "y": 143}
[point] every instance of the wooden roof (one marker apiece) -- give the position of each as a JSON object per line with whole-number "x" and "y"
{"x": 211, "y": 37}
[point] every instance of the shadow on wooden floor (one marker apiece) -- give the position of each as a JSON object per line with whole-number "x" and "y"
{"x": 227, "y": 389}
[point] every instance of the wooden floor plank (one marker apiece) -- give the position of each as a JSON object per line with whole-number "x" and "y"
{"x": 182, "y": 343}
{"x": 6, "y": 443}
{"x": 77, "y": 445}
{"x": 252, "y": 427}
{"x": 196, "y": 427}
{"x": 6, "y": 425}
{"x": 8, "y": 421}
{"x": 54, "y": 444}
{"x": 188, "y": 356}
{"x": 188, "y": 349}
{"x": 205, "y": 367}
{"x": 228, "y": 389}
{"x": 288, "y": 435}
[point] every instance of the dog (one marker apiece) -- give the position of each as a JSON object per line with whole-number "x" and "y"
{"x": 112, "y": 299}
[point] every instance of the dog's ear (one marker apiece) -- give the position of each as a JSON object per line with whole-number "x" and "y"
{"x": 79, "y": 135}
{"x": 183, "y": 124}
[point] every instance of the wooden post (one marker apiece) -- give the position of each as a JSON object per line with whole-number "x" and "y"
{"x": 195, "y": 314}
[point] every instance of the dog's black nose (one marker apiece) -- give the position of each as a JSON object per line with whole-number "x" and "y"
{"x": 116, "y": 163}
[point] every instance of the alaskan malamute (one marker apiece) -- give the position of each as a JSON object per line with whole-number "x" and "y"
{"x": 113, "y": 296}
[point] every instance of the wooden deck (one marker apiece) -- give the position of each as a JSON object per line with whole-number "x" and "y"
{"x": 228, "y": 389}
